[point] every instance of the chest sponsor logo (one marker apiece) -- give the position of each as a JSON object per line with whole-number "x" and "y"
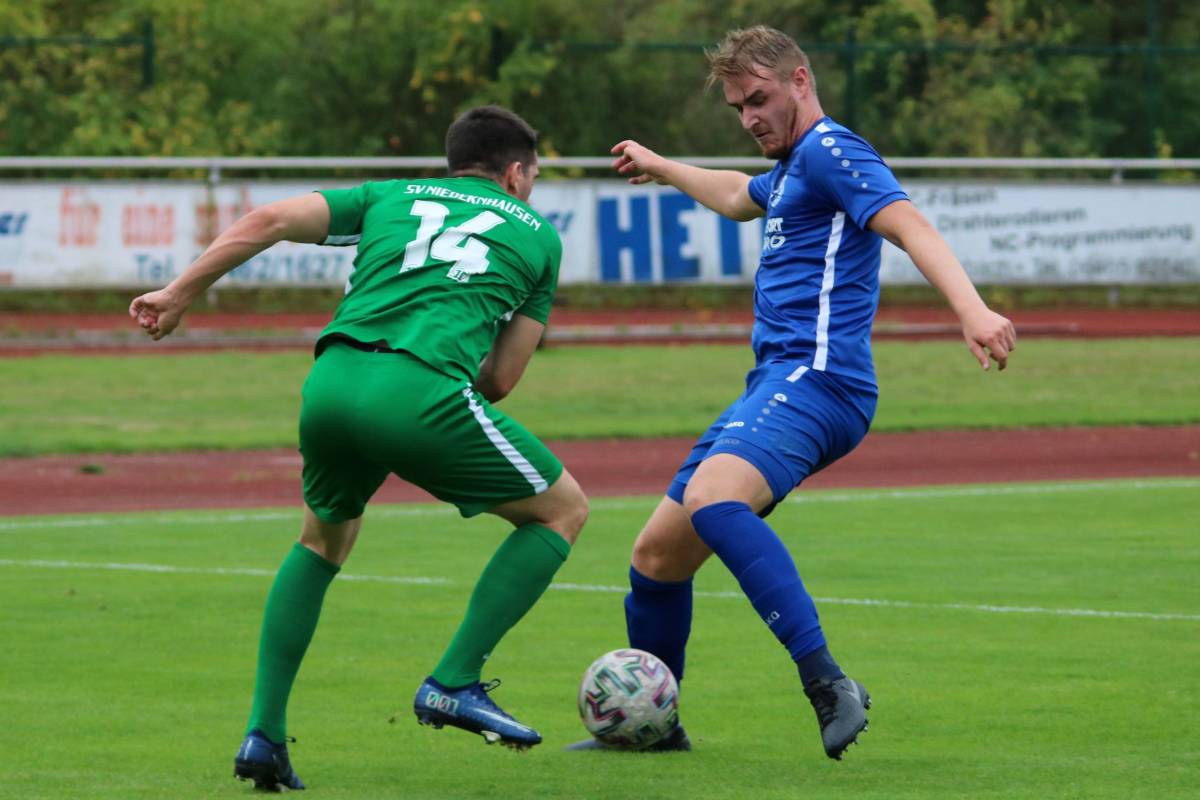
{"x": 773, "y": 234}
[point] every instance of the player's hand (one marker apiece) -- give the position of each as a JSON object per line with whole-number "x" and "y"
{"x": 987, "y": 333}
{"x": 158, "y": 313}
{"x": 641, "y": 164}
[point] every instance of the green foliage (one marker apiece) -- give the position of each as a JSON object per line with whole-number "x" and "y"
{"x": 385, "y": 77}
{"x": 72, "y": 99}
{"x": 987, "y": 101}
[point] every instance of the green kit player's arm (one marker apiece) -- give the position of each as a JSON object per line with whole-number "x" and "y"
{"x": 510, "y": 354}
{"x": 298, "y": 219}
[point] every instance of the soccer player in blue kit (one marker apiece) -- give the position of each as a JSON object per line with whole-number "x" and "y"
{"x": 829, "y": 202}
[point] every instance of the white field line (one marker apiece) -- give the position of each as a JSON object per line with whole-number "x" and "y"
{"x": 203, "y": 518}
{"x": 172, "y": 570}
{"x": 584, "y": 587}
{"x": 606, "y": 504}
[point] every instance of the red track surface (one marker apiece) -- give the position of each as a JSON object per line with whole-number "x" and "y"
{"x": 29, "y": 333}
{"x": 71, "y": 484}
{"x": 1069, "y": 321}
{"x": 68, "y": 484}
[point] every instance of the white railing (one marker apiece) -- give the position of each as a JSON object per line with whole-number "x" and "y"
{"x": 217, "y": 165}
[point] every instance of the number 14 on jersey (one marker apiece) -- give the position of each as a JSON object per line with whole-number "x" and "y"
{"x": 456, "y": 246}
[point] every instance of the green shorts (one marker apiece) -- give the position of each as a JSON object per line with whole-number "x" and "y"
{"x": 368, "y": 414}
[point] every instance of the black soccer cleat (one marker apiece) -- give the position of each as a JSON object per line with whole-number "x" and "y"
{"x": 266, "y": 763}
{"x": 676, "y": 741}
{"x": 841, "y": 711}
{"x": 471, "y": 709}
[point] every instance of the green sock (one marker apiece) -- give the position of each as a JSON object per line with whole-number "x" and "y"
{"x": 289, "y": 619}
{"x": 511, "y": 583}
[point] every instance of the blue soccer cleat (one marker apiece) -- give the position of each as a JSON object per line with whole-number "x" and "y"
{"x": 266, "y": 763}
{"x": 471, "y": 709}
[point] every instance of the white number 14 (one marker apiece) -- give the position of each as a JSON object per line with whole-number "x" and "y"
{"x": 467, "y": 255}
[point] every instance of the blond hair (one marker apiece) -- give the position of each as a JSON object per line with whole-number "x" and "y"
{"x": 741, "y": 51}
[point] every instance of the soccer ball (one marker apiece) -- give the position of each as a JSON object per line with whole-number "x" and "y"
{"x": 629, "y": 699}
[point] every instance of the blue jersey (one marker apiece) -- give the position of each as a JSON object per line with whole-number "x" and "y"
{"x": 817, "y": 285}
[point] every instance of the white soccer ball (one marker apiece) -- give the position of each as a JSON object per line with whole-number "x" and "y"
{"x": 629, "y": 699}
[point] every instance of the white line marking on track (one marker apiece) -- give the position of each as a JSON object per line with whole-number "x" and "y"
{"x": 585, "y": 587}
{"x": 604, "y": 504}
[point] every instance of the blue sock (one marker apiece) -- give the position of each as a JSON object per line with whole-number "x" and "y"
{"x": 765, "y": 571}
{"x": 658, "y": 618}
{"x": 818, "y": 665}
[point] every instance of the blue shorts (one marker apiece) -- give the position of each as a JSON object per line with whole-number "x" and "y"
{"x": 788, "y": 426}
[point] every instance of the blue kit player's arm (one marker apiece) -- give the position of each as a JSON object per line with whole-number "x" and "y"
{"x": 906, "y": 227}
{"x": 852, "y": 177}
{"x": 724, "y": 191}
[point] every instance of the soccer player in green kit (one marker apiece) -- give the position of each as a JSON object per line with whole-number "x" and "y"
{"x": 448, "y": 299}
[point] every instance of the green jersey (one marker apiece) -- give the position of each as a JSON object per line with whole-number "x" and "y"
{"x": 441, "y": 264}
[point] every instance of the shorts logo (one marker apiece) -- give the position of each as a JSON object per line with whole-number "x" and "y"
{"x": 736, "y": 424}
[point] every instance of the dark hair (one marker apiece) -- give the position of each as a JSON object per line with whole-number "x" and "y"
{"x": 487, "y": 139}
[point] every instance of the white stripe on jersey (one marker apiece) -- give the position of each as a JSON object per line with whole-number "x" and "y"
{"x": 798, "y": 374}
{"x": 835, "y": 240}
{"x": 504, "y": 446}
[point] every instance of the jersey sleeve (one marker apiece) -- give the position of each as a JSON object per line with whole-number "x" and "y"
{"x": 537, "y": 305}
{"x": 761, "y": 186}
{"x": 851, "y": 176}
{"x": 346, "y": 210}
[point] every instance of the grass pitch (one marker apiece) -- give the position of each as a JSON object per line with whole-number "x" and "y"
{"x": 1019, "y": 641}
{"x": 234, "y": 400}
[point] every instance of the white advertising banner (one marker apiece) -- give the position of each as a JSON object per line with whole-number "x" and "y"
{"x": 1060, "y": 234}
{"x": 141, "y": 234}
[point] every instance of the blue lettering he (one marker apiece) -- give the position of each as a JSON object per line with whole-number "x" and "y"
{"x": 674, "y": 236}
{"x": 729, "y": 235}
{"x": 614, "y": 239}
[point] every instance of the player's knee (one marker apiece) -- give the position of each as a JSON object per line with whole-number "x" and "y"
{"x": 700, "y": 494}
{"x": 651, "y": 558}
{"x": 667, "y": 560}
{"x": 570, "y": 515}
{"x": 576, "y": 516}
